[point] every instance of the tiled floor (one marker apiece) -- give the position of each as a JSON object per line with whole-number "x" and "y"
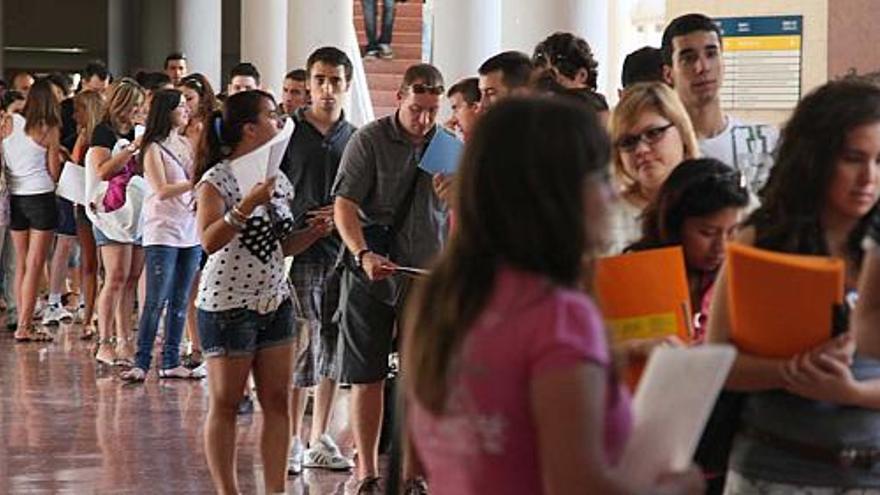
{"x": 67, "y": 427}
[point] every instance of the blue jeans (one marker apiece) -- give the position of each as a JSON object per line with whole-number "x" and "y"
{"x": 370, "y": 23}
{"x": 170, "y": 273}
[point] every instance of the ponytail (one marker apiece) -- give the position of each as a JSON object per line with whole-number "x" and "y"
{"x": 222, "y": 131}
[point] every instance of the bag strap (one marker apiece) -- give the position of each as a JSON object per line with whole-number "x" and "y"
{"x": 173, "y": 157}
{"x": 405, "y": 206}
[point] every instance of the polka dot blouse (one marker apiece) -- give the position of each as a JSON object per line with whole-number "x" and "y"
{"x": 248, "y": 272}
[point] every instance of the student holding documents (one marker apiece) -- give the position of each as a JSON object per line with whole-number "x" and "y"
{"x": 32, "y": 153}
{"x": 245, "y": 312}
{"x": 389, "y": 213}
{"x": 651, "y": 133}
{"x": 698, "y": 208}
{"x": 510, "y": 384}
{"x": 171, "y": 242}
{"x": 113, "y": 145}
{"x": 810, "y": 420}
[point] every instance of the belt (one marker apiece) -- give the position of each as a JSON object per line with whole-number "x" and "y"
{"x": 845, "y": 457}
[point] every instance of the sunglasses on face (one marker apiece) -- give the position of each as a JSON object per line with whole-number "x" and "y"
{"x": 421, "y": 89}
{"x": 652, "y": 135}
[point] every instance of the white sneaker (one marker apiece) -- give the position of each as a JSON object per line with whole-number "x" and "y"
{"x": 326, "y": 455}
{"x": 55, "y": 313}
{"x": 295, "y": 461}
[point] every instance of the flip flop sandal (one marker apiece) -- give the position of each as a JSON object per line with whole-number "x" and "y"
{"x": 42, "y": 336}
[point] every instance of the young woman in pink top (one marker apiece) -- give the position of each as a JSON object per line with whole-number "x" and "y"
{"x": 510, "y": 385}
{"x": 170, "y": 236}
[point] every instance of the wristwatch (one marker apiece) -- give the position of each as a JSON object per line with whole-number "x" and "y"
{"x": 359, "y": 257}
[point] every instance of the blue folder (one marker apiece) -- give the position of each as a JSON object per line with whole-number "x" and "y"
{"x": 442, "y": 153}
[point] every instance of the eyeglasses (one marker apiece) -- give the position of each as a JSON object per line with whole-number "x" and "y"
{"x": 420, "y": 89}
{"x": 630, "y": 142}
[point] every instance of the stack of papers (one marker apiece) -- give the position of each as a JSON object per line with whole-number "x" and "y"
{"x": 262, "y": 163}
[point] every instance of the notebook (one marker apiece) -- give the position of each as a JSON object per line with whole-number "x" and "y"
{"x": 782, "y": 304}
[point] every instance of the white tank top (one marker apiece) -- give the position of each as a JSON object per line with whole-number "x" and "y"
{"x": 28, "y": 172}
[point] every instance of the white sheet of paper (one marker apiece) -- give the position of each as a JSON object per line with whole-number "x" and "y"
{"x": 412, "y": 271}
{"x": 263, "y": 162}
{"x": 72, "y": 183}
{"x": 671, "y": 406}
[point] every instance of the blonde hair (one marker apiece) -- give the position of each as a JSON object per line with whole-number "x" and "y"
{"x": 637, "y": 99}
{"x": 92, "y": 103}
{"x": 124, "y": 95}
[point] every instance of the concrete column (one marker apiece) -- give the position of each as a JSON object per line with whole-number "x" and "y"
{"x": 264, "y": 40}
{"x": 198, "y": 34}
{"x": 312, "y": 24}
{"x": 525, "y": 23}
{"x": 466, "y": 33}
{"x": 120, "y": 28}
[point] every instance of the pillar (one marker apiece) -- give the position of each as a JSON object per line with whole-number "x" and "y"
{"x": 466, "y": 33}
{"x": 264, "y": 40}
{"x": 525, "y": 23}
{"x": 198, "y": 34}
{"x": 336, "y": 28}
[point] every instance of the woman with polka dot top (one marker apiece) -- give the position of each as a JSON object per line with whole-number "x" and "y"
{"x": 245, "y": 316}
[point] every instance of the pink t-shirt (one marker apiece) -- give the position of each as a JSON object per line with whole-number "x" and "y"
{"x": 487, "y": 442}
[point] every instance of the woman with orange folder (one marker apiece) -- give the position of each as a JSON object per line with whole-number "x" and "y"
{"x": 810, "y": 423}
{"x": 699, "y": 208}
{"x": 652, "y": 134}
{"x": 510, "y": 385}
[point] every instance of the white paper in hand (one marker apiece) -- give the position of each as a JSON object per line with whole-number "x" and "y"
{"x": 671, "y": 406}
{"x": 72, "y": 183}
{"x": 263, "y": 162}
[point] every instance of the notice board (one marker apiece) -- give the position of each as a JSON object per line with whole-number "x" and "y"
{"x": 762, "y": 62}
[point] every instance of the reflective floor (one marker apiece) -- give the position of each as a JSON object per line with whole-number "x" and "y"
{"x": 67, "y": 426}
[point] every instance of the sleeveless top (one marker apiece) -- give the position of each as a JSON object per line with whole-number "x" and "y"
{"x": 172, "y": 221}
{"x": 248, "y": 272}
{"x": 26, "y": 162}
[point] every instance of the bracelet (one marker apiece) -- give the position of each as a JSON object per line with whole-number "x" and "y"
{"x": 359, "y": 257}
{"x": 233, "y": 222}
{"x": 240, "y": 214}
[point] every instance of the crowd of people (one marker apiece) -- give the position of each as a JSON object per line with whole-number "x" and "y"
{"x": 506, "y": 381}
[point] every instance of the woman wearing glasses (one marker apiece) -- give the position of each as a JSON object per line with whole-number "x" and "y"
{"x": 652, "y": 134}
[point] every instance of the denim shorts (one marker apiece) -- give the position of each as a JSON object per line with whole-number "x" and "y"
{"x": 242, "y": 332}
{"x": 103, "y": 240}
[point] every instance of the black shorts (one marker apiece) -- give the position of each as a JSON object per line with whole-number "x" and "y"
{"x": 82, "y": 218}
{"x": 33, "y": 211}
{"x": 366, "y": 330}
{"x": 66, "y": 217}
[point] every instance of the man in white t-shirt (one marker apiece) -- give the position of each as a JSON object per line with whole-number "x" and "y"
{"x": 694, "y": 67}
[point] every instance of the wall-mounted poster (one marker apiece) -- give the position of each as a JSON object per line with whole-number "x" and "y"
{"x": 762, "y": 60}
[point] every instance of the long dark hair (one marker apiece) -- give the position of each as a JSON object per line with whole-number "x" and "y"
{"x": 159, "y": 125}
{"x": 41, "y": 108}
{"x": 223, "y": 130}
{"x": 810, "y": 143}
{"x": 520, "y": 203}
{"x": 207, "y": 101}
{"x": 695, "y": 188}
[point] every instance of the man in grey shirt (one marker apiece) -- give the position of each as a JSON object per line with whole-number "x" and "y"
{"x": 389, "y": 213}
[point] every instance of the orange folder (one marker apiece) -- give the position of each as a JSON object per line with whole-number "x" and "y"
{"x": 781, "y": 304}
{"x": 644, "y": 295}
